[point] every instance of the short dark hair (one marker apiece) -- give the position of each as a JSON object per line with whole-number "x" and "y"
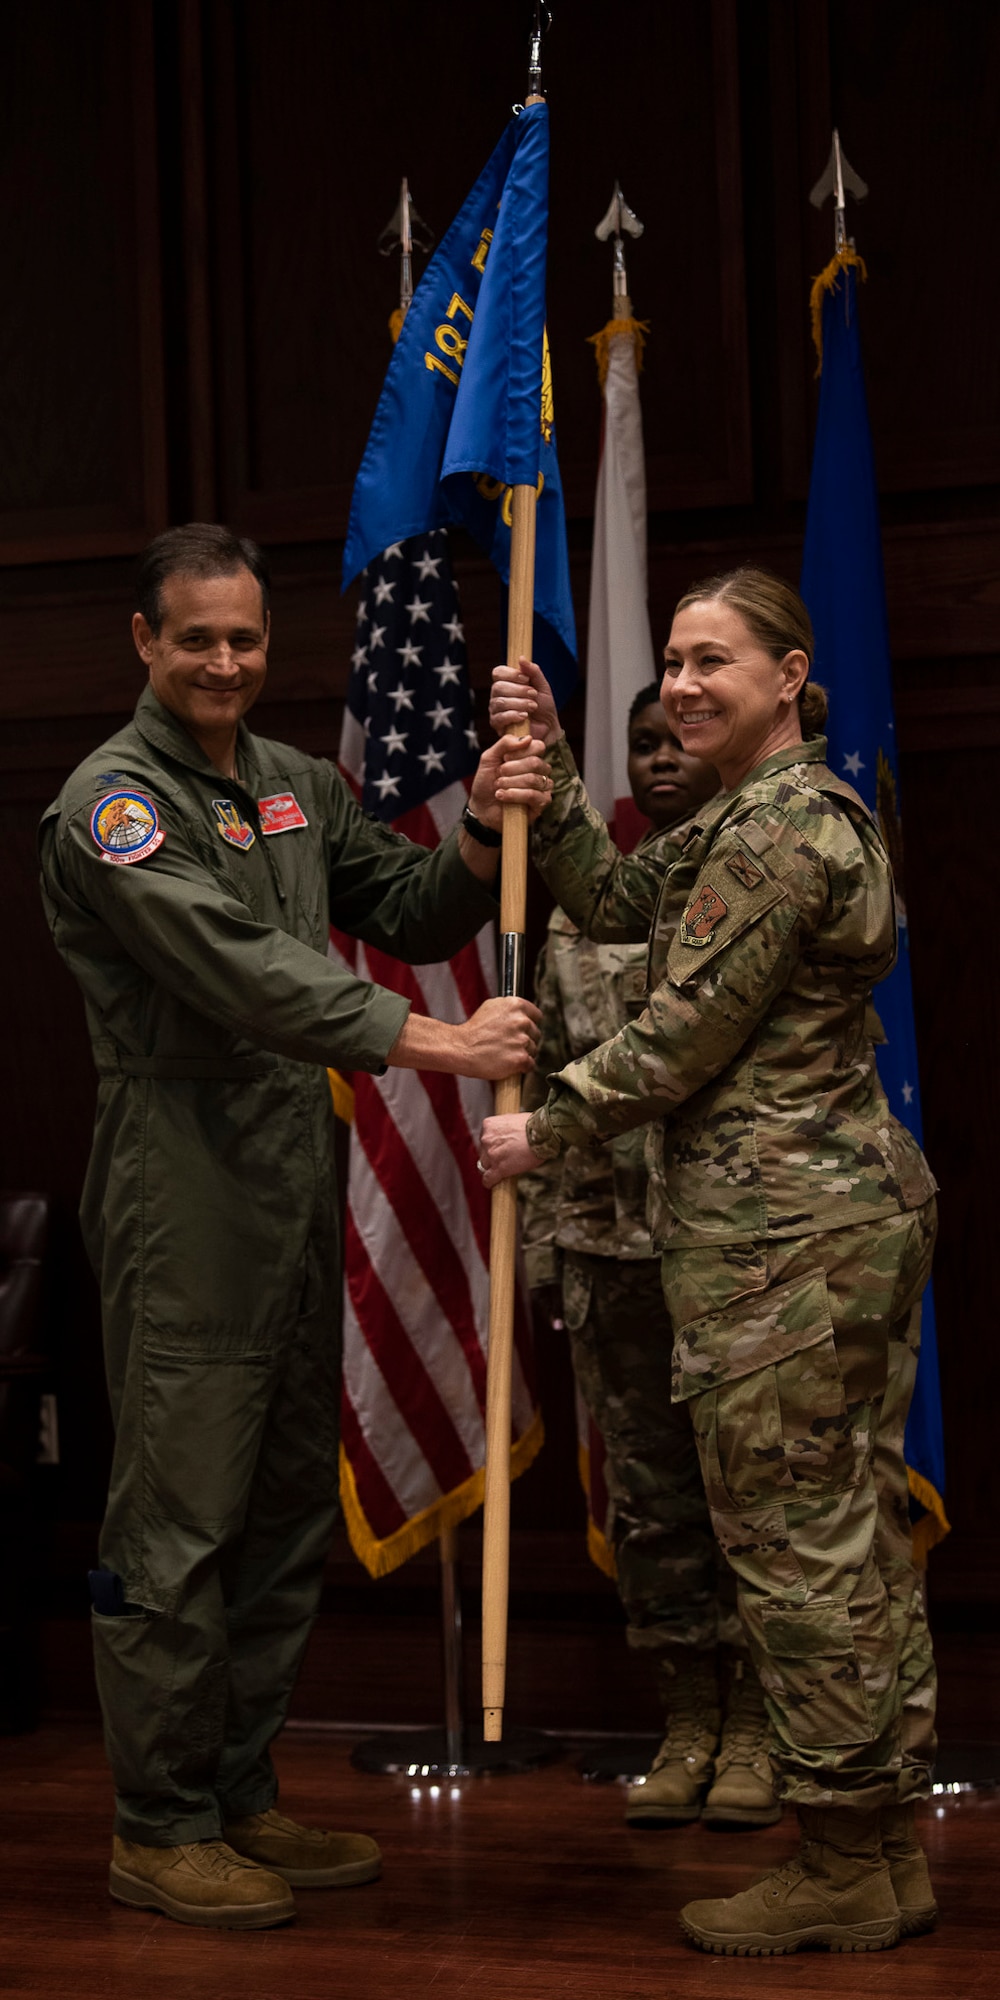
{"x": 201, "y": 548}
{"x": 647, "y": 697}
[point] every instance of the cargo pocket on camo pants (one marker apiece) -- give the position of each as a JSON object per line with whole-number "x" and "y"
{"x": 813, "y": 1674}
{"x": 781, "y": 1455}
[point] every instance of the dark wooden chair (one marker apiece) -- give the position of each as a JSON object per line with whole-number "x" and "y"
{"x": 24, "y": 1373}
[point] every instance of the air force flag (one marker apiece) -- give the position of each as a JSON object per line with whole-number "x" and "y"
{"x": 466, "y": 408}
{"x": 843, "y": 587}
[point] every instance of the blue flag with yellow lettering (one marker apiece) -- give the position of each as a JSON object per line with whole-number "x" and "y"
{"x": 465, "y": 412}
{"x": 844, "y": 590}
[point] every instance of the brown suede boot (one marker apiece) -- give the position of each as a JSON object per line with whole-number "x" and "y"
{"x": 672, "y": 1793}
{"x": 200, "y": 1882}
{"x": 303, "y": 1855}
{"x": 742, "y": 1793}
{"x": 908, "y": 1867}
{"x": 837, "y": 1893}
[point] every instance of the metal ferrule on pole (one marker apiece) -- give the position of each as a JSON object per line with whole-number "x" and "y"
{"x": 512, "y": 965}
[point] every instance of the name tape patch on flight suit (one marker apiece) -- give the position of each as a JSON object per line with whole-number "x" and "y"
{"x": 703, "y": 913}
{"x": 232, "y": 826}
{"x": 281, "y": 813}
{"x": 125, "y": 827}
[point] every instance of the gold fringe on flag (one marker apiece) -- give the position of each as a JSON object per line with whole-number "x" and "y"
{"x": 933, "y": 1525}
{"x": 380, "y": 1558}
{"x": 343, "y": 1096}
{"x": 599, "y": 1549}
{"x": 396, "y": 323}
{"x": 827, "y": 282}
{"x": 627, "y": 327}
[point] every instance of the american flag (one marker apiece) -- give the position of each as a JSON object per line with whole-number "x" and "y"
{"x": 416, "y": 1305}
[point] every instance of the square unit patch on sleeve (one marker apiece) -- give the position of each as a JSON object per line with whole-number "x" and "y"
{"x": 745, "y": 870}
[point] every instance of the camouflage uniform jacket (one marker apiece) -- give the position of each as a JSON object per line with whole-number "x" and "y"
{"x": 588, "y": 1200}
{"x": 753, "y": 1049}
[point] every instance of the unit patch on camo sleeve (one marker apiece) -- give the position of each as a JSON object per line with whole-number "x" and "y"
{"x": 705, "y": 910}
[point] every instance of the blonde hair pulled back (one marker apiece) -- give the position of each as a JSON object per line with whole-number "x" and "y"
{"x": 776, "y": 617}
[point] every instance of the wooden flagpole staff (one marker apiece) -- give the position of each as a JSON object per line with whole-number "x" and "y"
{"x": 503, "y": 1213}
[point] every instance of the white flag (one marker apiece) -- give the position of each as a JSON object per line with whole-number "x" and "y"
{"x": 620, "y": 657}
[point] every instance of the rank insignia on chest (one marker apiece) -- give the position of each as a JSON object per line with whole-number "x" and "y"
{"x": 705, "y": 910}
{"x": 232, "y": 826}
{"x": 744, "y": 870}
{"x": 125, "y": 827}
{"x": 281, "y": 813}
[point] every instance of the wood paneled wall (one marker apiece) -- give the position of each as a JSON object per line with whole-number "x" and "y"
{"x": 196, "y": 326}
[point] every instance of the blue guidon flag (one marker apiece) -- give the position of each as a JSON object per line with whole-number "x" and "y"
{"x": 844, "y": 589}
{"x": 466, "y": 411}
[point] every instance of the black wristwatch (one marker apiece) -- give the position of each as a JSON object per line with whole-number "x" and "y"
{"x": 486, "y": 835}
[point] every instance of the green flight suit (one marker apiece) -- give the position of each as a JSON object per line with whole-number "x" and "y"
{"x": 210, "y": 1216}
{"x": 796, "y": 1217}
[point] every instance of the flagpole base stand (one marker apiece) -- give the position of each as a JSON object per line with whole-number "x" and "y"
{"x": 965, "y": 1767}
{"x": 428, "y": 1753}
{"x": 623, "y": 1759}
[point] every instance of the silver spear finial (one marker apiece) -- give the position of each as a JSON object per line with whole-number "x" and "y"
{"x": 405, "y": 230}
{"x": 839, "y": 179}
{"x": 619, "y": 219}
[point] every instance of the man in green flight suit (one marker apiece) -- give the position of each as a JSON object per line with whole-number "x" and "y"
{"x": 197, "y": 925}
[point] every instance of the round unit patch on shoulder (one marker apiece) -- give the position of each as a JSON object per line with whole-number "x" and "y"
{"x": 125, "y": 827}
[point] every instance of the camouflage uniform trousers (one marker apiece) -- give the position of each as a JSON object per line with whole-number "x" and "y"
{"x": 676, "y": 1589}
{"x": 797, "y": 1359}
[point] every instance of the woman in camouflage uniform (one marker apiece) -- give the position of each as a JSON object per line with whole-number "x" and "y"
{"x": 797, "y": 1220}
{"x": 590, "y": 1260}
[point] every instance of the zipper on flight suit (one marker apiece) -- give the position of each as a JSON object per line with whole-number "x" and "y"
{"x": 265, "y": 844}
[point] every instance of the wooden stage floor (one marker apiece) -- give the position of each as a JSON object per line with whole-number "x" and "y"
{"x": 500, "y": 1888}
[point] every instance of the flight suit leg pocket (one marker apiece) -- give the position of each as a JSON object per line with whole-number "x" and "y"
{"x": 203, "y": 1421}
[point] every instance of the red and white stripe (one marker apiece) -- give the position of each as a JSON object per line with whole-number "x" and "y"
{"x": 416, "y": 1307}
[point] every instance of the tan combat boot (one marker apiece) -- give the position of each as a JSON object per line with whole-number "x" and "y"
{"x": 303, "y": 1855}
{"x": 908, "y": 1867}
{"x": 837, "y": 1892}
{"x": 672, "y": 1793}
{"x": 201, "y": 1882}
{"x": 742, "y": 1793}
